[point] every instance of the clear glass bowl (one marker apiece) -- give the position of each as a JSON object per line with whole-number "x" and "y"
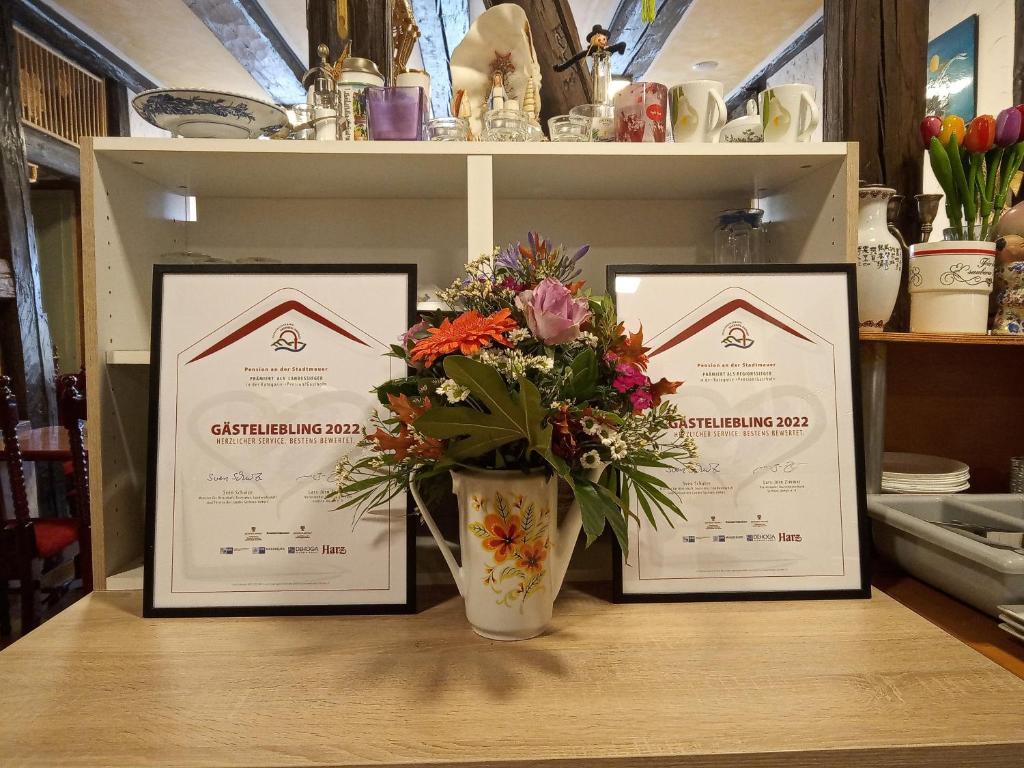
{"x": 569, "y": 128}
{"x": 505, "y": 125}
{"x": 448, "y": 129}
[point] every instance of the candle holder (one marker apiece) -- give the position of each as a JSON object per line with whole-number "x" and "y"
{"x": 927, "y": 209}
{"x": 395, "y": 113}
{"x": 448, "y": 129}
{"x": 505, "y": 125}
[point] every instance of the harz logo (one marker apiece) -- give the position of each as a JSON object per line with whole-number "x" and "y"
{"x": 736, "y": 335}
{"x": 286, "y": 339}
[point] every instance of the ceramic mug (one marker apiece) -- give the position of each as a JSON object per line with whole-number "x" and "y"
{"x": 640, "y": 112}
{"x": 788, "y": 112}
{"x": 697, "y": 110}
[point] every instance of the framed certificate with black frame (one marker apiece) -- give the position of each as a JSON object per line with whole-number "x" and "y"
{"x": 774, "y": 502}
{"x": 260, "y": 382}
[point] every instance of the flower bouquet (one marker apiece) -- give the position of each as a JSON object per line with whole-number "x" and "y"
{"x": 529, "y": 379}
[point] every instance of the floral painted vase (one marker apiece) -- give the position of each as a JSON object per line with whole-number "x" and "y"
{"x": 1010, "y": 298}
{"x": 879, "y": 260}
{"x": 514, "y": 552}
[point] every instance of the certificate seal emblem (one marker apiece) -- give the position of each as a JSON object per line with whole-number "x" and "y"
{"x": 737, "y": 335}
{"x": 286, "y": 339}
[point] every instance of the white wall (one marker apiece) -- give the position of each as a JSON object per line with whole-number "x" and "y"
{"x": 995, "y": 62}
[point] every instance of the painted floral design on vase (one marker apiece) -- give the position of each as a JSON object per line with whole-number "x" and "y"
{"x": 1009, "y": 286}
{"x": 879, "y": 260}
{"x": 515, "y": 535}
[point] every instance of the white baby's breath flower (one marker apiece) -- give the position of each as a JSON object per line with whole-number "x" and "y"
{"x": 453, "y": 391}
{"x": 590, "y": 459}
{"x": 540, "y": 362}
{"x": 586, "y": 337}
{"x": 519, "y": 335}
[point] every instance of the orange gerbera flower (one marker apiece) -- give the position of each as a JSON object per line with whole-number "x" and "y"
{"x": 466, "y": 334}
{"x": 504, "y": 535}
{"x": 531, "y": 557}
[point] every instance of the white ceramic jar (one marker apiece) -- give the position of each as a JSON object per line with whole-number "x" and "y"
{"x": 879, "y": 260}
{"x": 950, "y": 282}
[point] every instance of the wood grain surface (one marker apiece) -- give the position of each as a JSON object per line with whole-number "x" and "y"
{"x": 794, "y": 684}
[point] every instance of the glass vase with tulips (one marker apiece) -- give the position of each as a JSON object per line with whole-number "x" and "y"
{"x": 974, "y": 163}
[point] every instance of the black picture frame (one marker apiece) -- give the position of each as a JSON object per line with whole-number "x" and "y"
{"x": 863, "y": 525}
{"x": 151, "y": 611}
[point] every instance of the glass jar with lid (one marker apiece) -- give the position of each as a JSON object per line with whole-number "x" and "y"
{"x": 357, "y": 74}
{"x": 739, "y": 237}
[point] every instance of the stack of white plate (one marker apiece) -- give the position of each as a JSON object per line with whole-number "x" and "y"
{"x": 916, "y": 473}
{"x": 1011, "y": 619}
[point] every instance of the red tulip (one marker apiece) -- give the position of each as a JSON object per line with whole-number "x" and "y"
{"x": 981, "y": 134}
{"x": 930, "y": 126}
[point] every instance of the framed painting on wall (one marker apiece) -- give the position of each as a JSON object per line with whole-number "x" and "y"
{"x": 953, "y": 71}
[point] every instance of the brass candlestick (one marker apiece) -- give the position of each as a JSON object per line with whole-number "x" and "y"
{"x": 927, "y": 208}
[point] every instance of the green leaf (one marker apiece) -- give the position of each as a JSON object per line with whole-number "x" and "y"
{"x": 511, "y": 416}
{"x": 582, "y": 376}
{"x": 407, "y": 385}
{"x": 592, "y": 509}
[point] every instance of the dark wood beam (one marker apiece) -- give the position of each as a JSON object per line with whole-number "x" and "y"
{"x": 756, "y": 81}
{"x": 370, "y": 32}
{"x": 118, "y": 120}
{"x": 643, "y": 41}
{"x": 24, "y": 334}
{"x": 443, "y": 24}
{"x": 875, "y": 62}
{"x": 243, "y": 27}
{"x": 555, "y": 39}
{"x": 43, "y": 149}
{"x": 322, "y": 21}
{"x": 43, "y": 22}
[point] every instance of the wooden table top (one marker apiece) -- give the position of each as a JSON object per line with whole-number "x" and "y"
{"x": 42, "y": 444}
{"x": 716, "y": 685}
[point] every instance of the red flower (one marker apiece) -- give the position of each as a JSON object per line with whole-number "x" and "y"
{"x": 531, "y": 557}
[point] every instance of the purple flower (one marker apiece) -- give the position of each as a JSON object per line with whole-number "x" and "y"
{"x": 580, "y": 253}
{"x": 413, "y": 333}
{"x": 1008, "y": 127}
{"x": 508, "y": 257}
{"x": 552, "y": 313}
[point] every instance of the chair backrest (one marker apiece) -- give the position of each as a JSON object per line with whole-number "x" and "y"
{"x": 12, "y": 450}
{"x": 72, "y": 410}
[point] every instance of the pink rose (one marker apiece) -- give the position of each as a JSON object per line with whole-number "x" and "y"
{"x": 552, "y": 313}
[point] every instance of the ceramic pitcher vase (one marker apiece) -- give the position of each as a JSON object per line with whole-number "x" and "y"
{"x": 879, "y": 260}
{"x": 514, "y": 551}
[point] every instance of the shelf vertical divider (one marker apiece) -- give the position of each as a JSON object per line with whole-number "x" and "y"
{"x": 480, "y": 205}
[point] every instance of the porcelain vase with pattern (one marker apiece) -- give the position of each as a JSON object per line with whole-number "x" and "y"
{"x": 1009, "y": 286}
{"x": 950, "y": 282}
{"x": 514, "y": 551}
{"x": 879, "y": 260}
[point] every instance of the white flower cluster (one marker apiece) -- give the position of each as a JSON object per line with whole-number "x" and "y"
{"x": 617, "y": 447}
{"x": 587, "y": 338}
{"x": 452, "y": 391}
{"x": 513, "y": 364}
{"x": 519, "y": 335}
{"x": 590, "y": 459}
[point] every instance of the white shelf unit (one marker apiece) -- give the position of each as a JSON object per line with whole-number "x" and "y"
{"x": 434, "y": 204}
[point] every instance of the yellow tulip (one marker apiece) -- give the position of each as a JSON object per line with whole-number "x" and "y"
{"x": 952, "y": 125}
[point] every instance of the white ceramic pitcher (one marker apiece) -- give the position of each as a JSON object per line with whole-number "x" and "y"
{"x": 514, "y": 552}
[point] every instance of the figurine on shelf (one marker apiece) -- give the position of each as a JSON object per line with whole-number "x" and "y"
{"x": 601, "y": 68}
{"x": 497, "y": 98}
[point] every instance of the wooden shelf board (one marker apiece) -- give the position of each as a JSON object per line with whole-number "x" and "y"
{"x": 424, "y": 170}
{"x": 823, "y": 683}
{"x": 127, "y": 357}
{"x": 943, "y": 338}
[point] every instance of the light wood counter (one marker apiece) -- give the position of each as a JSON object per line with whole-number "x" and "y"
{"x": 715, "y": 685}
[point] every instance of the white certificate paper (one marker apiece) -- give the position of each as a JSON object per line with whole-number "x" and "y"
{"x": 264, "y": 383}
{"x": 773, "y": 502}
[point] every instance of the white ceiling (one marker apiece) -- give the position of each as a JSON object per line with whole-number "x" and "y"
{"x": 167, "y": 41}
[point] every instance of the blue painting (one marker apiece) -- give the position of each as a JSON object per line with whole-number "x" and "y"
{"x": 953, "y": 71}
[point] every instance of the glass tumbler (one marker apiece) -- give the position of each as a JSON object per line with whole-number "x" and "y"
{"x": 303, "y": 116}
{"x": 601, "y": 118}
{"x": 505, "y": 125}
{"x": 739, "y": 237}
{"x": 569, "y": 128}
{"x": 640, "y": 113}
{"x": 448, "y": 129}
{"x": 395, "y": 114}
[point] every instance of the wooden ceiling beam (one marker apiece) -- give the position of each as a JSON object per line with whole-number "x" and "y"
{"x": 443, "y": 24}
{"x": 47, "y": 25}
{"x": 643, "y": 41}
{"x": 243, "y": 27}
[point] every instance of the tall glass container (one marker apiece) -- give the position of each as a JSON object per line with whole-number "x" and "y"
{"x": 739, "y": 237}
{"x": 602, "y": 77}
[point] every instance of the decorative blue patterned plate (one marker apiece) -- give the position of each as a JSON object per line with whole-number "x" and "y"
{"x": 202, "y": 114}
